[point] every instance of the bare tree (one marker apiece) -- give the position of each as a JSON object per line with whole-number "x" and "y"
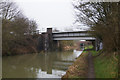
{"x": 14, "y": 27}
{"x": 9, "y": 10}
{"x": 32, "y": 26}
{"x": 102, "y": 17}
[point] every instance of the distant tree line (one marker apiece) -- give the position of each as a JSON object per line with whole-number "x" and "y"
{"x": 103, "y": 19}
{"x": 17, "y": 30}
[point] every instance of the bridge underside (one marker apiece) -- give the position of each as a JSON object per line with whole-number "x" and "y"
{"x": 74, "y": 38}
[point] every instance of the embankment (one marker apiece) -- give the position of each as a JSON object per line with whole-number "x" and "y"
{"x": 79, "y": 68}
{"x": 106, "y": 64}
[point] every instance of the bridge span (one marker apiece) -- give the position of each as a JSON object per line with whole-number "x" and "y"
{"x": 76, "y": 35}
{"x": 51, "y": 39}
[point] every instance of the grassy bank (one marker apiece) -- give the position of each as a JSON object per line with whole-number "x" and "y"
{"x": 79, "y": 68}
{"x": 106, "y": 66}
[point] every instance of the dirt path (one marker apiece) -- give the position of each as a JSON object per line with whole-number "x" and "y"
{"x": 91, "y": 73}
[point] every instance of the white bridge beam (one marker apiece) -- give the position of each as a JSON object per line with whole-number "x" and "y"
{"x": 71, "y": 34}
{"x": 74, "y": 38}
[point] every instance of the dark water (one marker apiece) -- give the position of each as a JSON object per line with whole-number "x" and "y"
{"x": 42, "y": 65}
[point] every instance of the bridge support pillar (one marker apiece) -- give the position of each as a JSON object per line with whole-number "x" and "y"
{"x": 48, "y": 40}
{"x": 98, "y": 41}
{"x": 56, "y": 45}
{"x": 94, "y": 45}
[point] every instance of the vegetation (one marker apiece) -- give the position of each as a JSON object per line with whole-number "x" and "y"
{"x": 89, "y": 47}
{"x": 78, "y": 70}
{"x": 15, "y": 27}
{"x": 66, "y": 45}
{"x": 102, "y": 18}
{"x": 105, "y": 66}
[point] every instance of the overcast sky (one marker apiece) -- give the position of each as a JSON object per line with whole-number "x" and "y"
{"x": 49, "y": 13}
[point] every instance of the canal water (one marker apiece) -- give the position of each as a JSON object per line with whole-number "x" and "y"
{"x": 42, "y": 65}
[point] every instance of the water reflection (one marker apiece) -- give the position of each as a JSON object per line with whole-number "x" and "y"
{"x": 46, "y": 65}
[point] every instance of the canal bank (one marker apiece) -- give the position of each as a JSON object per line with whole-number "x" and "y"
{"x": 92, "y": 65}
{"x": 79, "y": 68}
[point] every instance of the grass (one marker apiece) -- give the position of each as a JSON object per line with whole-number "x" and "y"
{"x": 89, "y": 47}
{"x": 94, "y": 53}
{"x": 79, "y": 68}
{"x": 85, "y": 51}
{"x": 105, "y": 66}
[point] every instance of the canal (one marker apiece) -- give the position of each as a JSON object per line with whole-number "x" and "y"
{"x": 42, "y": 65}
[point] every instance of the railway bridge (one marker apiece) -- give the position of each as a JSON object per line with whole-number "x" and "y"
{"x": 51, "y": 39}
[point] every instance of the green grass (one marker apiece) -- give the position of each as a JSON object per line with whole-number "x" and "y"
{"x": 94, "y": 53}
{"x": 105, "y": 66}
{"x": 85, "y": 51}
{"x": 89, "y": 47}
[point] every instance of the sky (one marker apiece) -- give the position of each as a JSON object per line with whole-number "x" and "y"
{"x": 57, "y": 14}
